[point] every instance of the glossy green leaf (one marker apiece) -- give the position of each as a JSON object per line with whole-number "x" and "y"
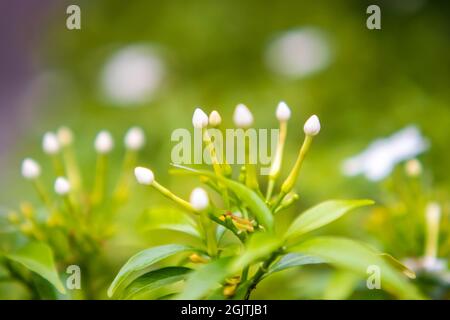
{"x": 322, "y": 214}
{"x": 140, "y": 263}
{"x": 292, "y": 260}
{"x": 251, "y": 199}
{"x": 357, "y": 257}
{"x": 205, "y": 279}
{"x": 170, "y": 219}
{"x": 259, "y": 246}
{"x": 38, "y": 257}
{"x": 154, "y": 280}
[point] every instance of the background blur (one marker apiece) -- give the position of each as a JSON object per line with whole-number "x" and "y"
{"x": 149, "y": 63}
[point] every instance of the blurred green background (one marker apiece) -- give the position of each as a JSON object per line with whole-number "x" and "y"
{"x": 214, "y": 55}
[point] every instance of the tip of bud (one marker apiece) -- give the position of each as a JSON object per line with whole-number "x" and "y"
{"x": 413, "y": 168}
{"x": 199, "y": 119}
{"x": 144, "y": 175}
{"x": 30, "y": 169}
{"x": 283, "y": 112}
{"x": 104, "y": 142}
{"x": 65, "y": 136}
{"x": 242, "y": 116}
{"x": 215, "y": 119}
{"x": 62, "y": 186}
{"x": 199, "y": 199}
{"x": 50, "y": 143}
{"x": 312, "y": 126}
{"x": 134, "y": 138}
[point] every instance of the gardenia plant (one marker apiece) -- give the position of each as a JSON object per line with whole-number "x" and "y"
{"x": 70, "y": 227}
{"x": 218, "y": 269}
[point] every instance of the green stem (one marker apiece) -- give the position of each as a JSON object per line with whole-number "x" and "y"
{"x": 261, "y": 272}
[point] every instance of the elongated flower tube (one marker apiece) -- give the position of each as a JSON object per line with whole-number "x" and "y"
{"x": 30, "y": 169}
{"x": 283, "y": 113}
{"x": 432, "y": 217}
{"x": 311, "y": 128}
{"x": 145, "y": 176}
{"x": 65, "y": 138}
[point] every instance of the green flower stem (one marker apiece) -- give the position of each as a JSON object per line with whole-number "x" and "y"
{"x": 251, "y": 179}
{"x": 209, "y": 234}
{"x": 100, "y": 179}
{"x": 276, "y": 164}
{"x": 216, "y": 165}
{"x": 71, "y": 165}
{"x": 122, "y": 189}
{"x": 432, "y": 239}
{"x": 42, "y": 193}
{"x": 58, "y": 165}
{"x": 167, "y": 193}
{"x": 290, "y": 181}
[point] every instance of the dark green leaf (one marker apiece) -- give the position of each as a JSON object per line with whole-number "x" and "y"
{"x": 140, "y": 263}
{"x": 38, "y": 257}
{"x": 154, "y": 280}
{"x": 291, "y": 260}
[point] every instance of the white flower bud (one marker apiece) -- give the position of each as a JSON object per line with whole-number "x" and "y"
{"x": 312, "y": 126}
{"x": 134, "y": 138}
{"x": 50, "y": 143}
{"x": 413, "y": 168}
{"x": 242, "y": 116}
{"x": 104, "y": 142}
{"x": 215, "y": 119}
{"x": 199, "y": 199}
{"x": 65, "y": 136}
{"x": 62, "y": 186}
{"x": 283, "y": 112}
{"x": 199, "y": 119}
{"x": 30, "y": 169}
{"x": 144, "y": 175}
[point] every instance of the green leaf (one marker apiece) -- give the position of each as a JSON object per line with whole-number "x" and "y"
{"x": 357, "y": 257}
{"x": 205, "y": 279}
{"x": 251, "y": 199}
{"x": 140, "y": 263}
{"x": 292, "y": 260}
{"x": 38, "y": 257}
{"x": 342, "y": 284}
{"x": 398, "y": 265}
{"x": 321, "y": 215}
{"x": 168, "y": 218}
{"x": 261, "y": 245}
{"x": 154, "y": 280}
